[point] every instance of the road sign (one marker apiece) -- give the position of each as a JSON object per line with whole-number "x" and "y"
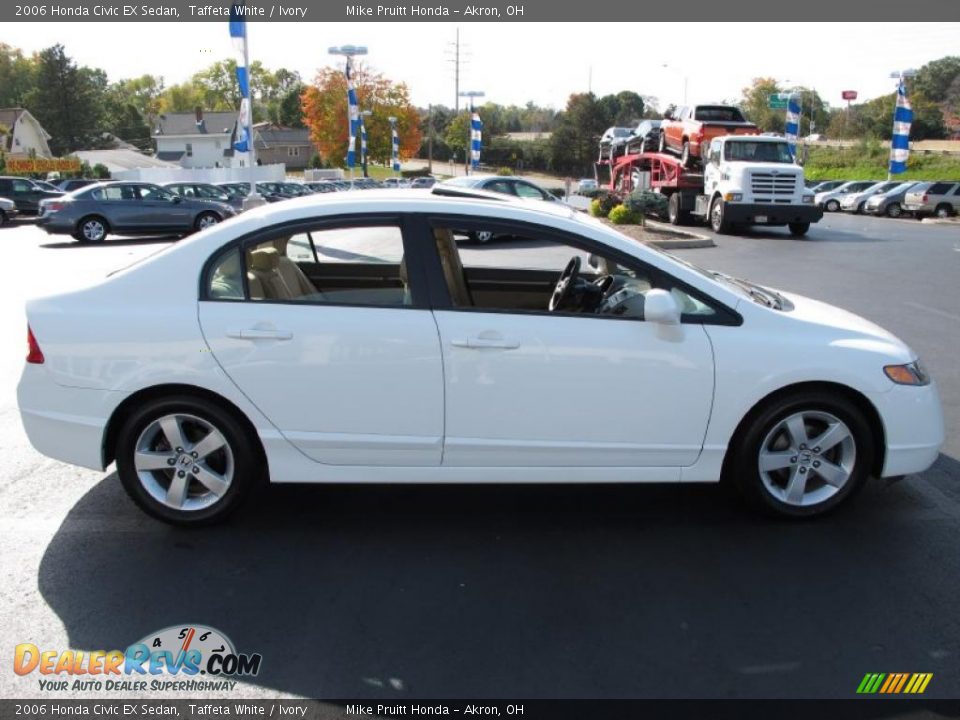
{"x": 777, "y": 101}
{"x": 849, "y": 94}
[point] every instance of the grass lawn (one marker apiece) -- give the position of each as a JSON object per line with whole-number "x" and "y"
{"x": 869, "y": 162}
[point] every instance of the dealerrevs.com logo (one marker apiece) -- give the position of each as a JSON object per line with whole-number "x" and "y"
{"x": 184, "y": 658}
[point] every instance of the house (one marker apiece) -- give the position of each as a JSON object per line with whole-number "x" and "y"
{"x": 279, "y": 144}
{"x": 23, "y": 136}
{"x": 197, "y": 139}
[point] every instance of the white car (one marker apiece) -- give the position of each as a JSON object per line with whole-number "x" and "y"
{"x": 855, "y": 202}
{"x": 350, "y": 338}
{"x": 586, "y": 185}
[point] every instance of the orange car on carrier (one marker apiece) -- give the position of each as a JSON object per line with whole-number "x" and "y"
{"x": 693, "y": 127}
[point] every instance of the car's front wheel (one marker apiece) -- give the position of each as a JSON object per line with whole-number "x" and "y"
{"x": 832, "y": 205}
{"x": 662, "y": 142}
{"x": 91, "y": 229}
{"x": 186, "y": 461}
{"x": 894, "y": 210}
{"x": 803, "y": 454}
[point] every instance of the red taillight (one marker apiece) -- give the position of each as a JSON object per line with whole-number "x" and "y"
{"x": 54, "y": 206}
{"x": 925, "y": 198}
{"x": 34, "y": 353}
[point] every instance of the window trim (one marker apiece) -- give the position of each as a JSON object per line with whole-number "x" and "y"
{"x": 412, "y": 253}
{"x": 439, "y": 293}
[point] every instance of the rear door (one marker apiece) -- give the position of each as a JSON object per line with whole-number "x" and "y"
{"x": 329, "y": 333}
{"x": 161, "y": 209}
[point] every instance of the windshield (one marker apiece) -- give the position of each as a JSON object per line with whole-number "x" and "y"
{"x": 753, "y": 151}
{"x": 719, "y": 113}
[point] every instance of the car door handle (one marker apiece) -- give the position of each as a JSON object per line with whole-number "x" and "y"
{"x": 481, "y": 342}
{"x": 259, "y": 334}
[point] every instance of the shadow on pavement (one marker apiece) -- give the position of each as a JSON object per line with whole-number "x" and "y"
{"x": 528, "y": 591}
{"x": 110, "y": 242}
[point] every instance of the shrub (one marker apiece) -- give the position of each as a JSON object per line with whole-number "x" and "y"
{"x": 601, "y": 205}
{"x": 647, "y": 202}
{"x": 557, "y": 192}
{"x": 622, "y": 215}
{"x": 100, "y": 172}
{"x": 504, "y": 171}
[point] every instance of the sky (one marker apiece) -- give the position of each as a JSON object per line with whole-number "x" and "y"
{"x": 518, "y": 62}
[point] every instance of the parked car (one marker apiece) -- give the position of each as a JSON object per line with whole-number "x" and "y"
{"x": 267, "y": 191}
{"x": 830, "y": 200}
{"x": 501, "y": 184}
{"x": 645, "y": 137}
{"x": 941, "y": 199}
{"x": 613, "y": 137}
{"x": 321, "y": 186}
{"x": 854, "y": 202}
{"x": 891, "y": 202}
{"x": 348, "y": 339}
{"x": 25, "y": 193}
{"x": 129, "y": 208}
{"x": 49, "y": 187}
{"x": 296, "y": 189}
{"x": 422, "y": 183}
{"x": 8, "y": 210}
{"x": 826, "y": 185}
{"x": 585, "y": 185}
{"x": 71, "y": 184}
{"x": 692, "y": 128}
{"x": 206, "y": 191}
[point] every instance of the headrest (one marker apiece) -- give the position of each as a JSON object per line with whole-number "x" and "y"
{"x": 264, "y": 259}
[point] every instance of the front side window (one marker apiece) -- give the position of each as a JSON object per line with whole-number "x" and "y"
{"x": 356, "y": 265}
{"x": 22, "y": 186}
{"x": 529, "y": 191}
{"x": 521, "y": 269}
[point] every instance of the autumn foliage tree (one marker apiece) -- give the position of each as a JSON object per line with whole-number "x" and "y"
{"x": 324, "y": 106}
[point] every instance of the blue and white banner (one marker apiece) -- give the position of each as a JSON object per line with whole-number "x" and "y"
{"x": 900, "y": 142}
{"x": 792, "y": 130}
{"x": 475, "y": 140}
{"x": 395, "y": 144}
{"x": 238, "y": 35}
{"x": 353, "y": 112}
{"x": 363, "y": 141}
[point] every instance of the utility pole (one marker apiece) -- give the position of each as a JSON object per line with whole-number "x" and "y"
{"x": 430, "y": 139}
{"x": 458, "y": 56}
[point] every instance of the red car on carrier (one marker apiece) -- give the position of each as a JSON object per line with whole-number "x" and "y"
{"x": 693, "y": 127}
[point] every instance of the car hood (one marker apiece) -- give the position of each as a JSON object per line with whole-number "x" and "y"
{"x": 847, "y": 327}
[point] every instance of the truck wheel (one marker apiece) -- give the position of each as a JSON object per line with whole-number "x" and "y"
{"x": 832, "y": 205}
{"x": 894, "y": 210}
{"x": 718, "y": 221}
{"x": 675, "y": 213}
{"x": 799, "y": 229}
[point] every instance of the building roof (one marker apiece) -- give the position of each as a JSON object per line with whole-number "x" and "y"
{"x": 268, "y": 137}
{"x": 170, "y": 155}
{"x": 117, "y": 160}
{"x": 9, "y": 118}
{"x": 213, "y": 123}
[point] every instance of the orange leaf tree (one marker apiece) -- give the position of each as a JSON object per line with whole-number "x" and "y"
{"x": 324, "y": 106}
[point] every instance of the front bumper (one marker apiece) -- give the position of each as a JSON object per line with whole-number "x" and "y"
{"x": 775, "y": 214}
{"x": 913, "y": 428}
{"x": 10, "y": 212}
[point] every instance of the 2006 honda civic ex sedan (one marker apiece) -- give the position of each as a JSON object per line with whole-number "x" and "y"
{"x": 353, "y": 338}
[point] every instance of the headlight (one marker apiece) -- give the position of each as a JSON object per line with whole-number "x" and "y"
{"x": 733, "y": 197}
{"x": 909, "y": 374}
{"x": 808, "y": 199}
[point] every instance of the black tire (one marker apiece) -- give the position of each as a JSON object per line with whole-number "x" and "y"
{"x": 675, "y": 214}
{"x": 943, "y": 211}
{"x": 718, "y": 220}
{"x": 832, "y": 206}
{"x": 481, "y": 237}
{"x": 685, "y": 158}
{"x": 662, "y": 143}
{"x": 744, "y": 468}
{"x": 3, "y": 218}
{"x": 894, "y": 210}
{"x": 248, "y": 469}
{"x": 86, "y": 231}
{"x": 206, "y": 219}
{"x": 798, "y": 229}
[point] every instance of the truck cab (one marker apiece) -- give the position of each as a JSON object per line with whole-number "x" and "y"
{"x": 754, "y": 180}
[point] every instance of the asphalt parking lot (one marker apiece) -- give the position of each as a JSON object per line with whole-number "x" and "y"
{"x": 517, "y": 592}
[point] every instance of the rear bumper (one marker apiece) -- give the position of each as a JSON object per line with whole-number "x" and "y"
{"x": 53, "y": 226}
{"x": 774, "y": 214}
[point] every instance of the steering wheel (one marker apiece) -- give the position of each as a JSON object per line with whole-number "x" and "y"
{"x": 565, "y": 283}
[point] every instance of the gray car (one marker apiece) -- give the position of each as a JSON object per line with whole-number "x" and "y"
{"x": 129, "y": 208}
{"x": 891, "y": 202}
{"x": 204, "y": 191}
{"x": 941, "y": 199}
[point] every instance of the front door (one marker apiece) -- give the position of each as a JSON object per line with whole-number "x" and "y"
{"x": 577, "y": 387}
{"x": 327, "y": 332}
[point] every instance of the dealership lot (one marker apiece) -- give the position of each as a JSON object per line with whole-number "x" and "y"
{"x": 531, "y": 592}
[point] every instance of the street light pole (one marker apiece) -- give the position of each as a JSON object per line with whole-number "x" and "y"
{"x": 349, "y": 52}
{"x": 470, "y": 94}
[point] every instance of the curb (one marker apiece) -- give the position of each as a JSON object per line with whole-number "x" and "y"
{"x": 940, "y": 221}
{"x": 684, "y": 240}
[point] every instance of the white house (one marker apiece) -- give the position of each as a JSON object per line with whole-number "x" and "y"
{"x": 197, "y": 139}
{"x": 26, "y": 136}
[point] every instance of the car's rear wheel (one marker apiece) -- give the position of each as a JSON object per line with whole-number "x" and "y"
{"x": 832, "y": 205}
{"x": 186, "y": 460}
{"x": 894, "y": 210}
{"x": 92, "y": 229}
{"x": 803, "y": 454}
{"x": 798, "y": 229}
{"x": 205, "y": 220}
{"x": 943, "y": 211}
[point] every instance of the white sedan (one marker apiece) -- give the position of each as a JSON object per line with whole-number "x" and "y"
{"x": 353, "y": 338}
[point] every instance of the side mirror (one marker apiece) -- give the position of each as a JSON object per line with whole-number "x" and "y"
{"x": 661, "y": 307}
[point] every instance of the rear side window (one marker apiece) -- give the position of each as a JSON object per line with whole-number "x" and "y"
{"x": 718, "y": 114}
{"x": 226, "y": 279}
{"x": 939, "y": 188}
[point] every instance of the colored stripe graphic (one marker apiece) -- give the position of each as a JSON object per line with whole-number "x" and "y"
{"x": 894, "y": 683}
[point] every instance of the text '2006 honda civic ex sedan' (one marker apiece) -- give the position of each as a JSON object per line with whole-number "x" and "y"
{"x": 356, "y": 338}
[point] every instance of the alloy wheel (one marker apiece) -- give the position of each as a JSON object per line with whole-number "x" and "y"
{"x": 807, "y": 458}
{"x": 207, "y": 220}
{"x": 184, "y": 462}
{"x": 93, "y": 230}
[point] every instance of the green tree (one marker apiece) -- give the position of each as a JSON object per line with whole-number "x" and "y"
{"x": 17, "y": 76}
{"x": 128, "y": 124}
{"x": 457, "y": 135}
{"x": 934, "y": 79}
{"x": 577, "y": 134}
